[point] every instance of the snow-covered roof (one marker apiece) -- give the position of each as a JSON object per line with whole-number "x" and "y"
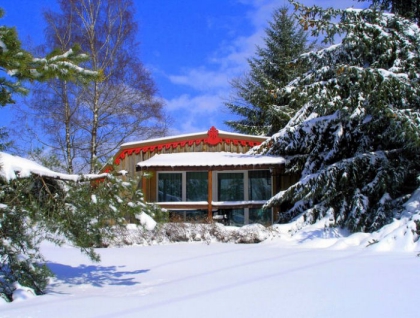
{"x": 208, "y": 160}
{"x": 12, "y": 167}
{"x": 192, "y": 135}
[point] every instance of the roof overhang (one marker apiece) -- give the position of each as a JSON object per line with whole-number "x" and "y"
{"x": 209, "y": 161}
{"x": 212, "y": 136}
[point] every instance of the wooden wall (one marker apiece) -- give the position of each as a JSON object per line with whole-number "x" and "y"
{"x": 129, "y": 162}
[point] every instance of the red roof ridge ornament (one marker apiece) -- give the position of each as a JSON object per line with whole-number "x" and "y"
{"x": 213, "y": 134}
{"x": 212, "y": 140}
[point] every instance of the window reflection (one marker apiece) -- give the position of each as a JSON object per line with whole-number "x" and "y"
{"x": 230, "y": 186}
{"x": 197, "y": 186}
{"x": 170, "y": 187}
{"x": 259, "y": 185}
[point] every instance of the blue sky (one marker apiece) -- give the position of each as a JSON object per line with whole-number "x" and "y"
{"x": 193, "y": 48}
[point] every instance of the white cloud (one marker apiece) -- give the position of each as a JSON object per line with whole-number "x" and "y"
{"x": 201, "y": 79}
{"x": 197, "y": 113}
{"x": 228, "y": 61}
{"x": 201, "y": 104}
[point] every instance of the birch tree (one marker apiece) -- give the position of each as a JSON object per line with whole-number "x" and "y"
{"x": 86, "y": 124}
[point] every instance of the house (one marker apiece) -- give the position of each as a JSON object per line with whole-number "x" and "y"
{"x": 206, "y": 176}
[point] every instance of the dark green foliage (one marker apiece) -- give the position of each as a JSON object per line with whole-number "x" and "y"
{"x": 409, "y": 9}
{"x": 19, "y": 65}
{"x": 84, "y": 214}
{"x": 4, "y": 139}
{"x": 356, "y": 137}
{"x": 254, "y": 101}
{"x": 19, "y": 239}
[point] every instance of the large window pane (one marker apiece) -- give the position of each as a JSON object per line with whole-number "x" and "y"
{"x": 197, "y": 186}
{"x": 260, "y": 216}
{"x": 170, "y": 187}
{"x": 235, "y": 217}
{"x": 230, "y": 186}
{"x": 259, "y": 185}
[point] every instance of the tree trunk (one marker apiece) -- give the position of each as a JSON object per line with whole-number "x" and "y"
{"x": 67, "y": 123}
{"x": 95, "y": 125}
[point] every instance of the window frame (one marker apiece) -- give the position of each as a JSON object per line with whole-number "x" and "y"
{"x": 157, "y": 185}
{"x": 246, "y": 190}
{"x": 183, "y": 184}
{"x": 215, "y": 190}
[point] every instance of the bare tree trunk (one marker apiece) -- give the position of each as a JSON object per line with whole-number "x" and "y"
{"x": 94, "y": 132}
{"x": 95, "y": 119}
{"x": 67, "y": 124}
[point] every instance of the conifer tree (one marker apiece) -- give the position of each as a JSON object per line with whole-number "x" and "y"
{"x": 356, "y": 138}
{"x": 409, "y": 9}
{"x": 254, "y": 102}
{"x": 36, "y": 207}
{"x": 65, "y": 209}
{"x": 18, "y": 65}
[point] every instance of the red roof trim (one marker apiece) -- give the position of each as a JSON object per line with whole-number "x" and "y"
{"x": 212, "y": 140}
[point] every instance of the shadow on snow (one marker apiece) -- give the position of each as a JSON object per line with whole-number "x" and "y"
{"x": 94, "y": 275}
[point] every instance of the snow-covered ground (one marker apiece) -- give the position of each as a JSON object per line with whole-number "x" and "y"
{"x": 315, "y": 273}
{"x": 297, "y": 271}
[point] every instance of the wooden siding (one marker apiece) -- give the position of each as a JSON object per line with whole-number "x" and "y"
{"x": 212, "y": 141}
{"x": 131, "y": 154}
{"x": 129, "y": 162}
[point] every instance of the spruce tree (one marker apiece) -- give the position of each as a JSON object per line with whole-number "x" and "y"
{"x": 18, "y": 65}
{"x": 254, "y": 102}
{"x": 409, "y": 9}
{"x": 356, "y": 138}
{"x": 78, "y": 211}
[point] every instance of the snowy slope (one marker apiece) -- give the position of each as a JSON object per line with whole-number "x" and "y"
{"x": 311, "y": 271}
{"x": 293, "y": 277}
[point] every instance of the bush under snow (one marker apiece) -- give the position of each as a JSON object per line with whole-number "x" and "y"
{"x": 400, "y": 235}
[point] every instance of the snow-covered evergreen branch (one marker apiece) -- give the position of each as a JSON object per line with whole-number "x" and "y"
{"x": 355, "y": 139}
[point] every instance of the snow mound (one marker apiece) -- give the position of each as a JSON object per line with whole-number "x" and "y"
{"x": 400, "y": 235}
{"x": 3, "y": 300}
{"x": 253, "y": 233}
{"x": 191, "y": 232}
{"x": 22, "y": 292}
{"x": 147, "y": 221}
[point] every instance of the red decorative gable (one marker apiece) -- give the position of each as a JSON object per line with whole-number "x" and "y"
{"x": 212, "y": 140}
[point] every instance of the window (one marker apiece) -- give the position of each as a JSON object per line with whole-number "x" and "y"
{"x": 192, "y": 186}
{"x": 230, "y": 186}
{"x": 169, "y": 187}
{"x": 183, "y": 186}
{"x": 197, "y": 186}
{"x": 259, "y": 185}
{"x": 236, "y": 217}
{"x": 260, "y": 216}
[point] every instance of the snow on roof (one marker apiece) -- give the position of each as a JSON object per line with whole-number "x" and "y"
{"x": 12, "y": 167}
{"x": 188, "y": 136}
{"x": 208, "y": 159}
